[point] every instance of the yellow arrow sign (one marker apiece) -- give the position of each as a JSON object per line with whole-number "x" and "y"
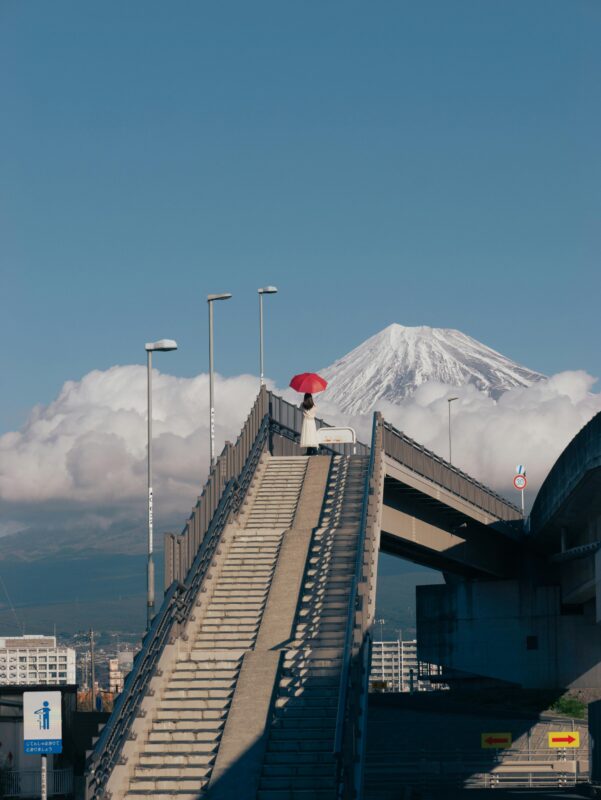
{"x": 495, "y": 741}
{"x": 564, "y": 738}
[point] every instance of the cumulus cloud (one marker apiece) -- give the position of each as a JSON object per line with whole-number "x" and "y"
{"x": 86, "y": 451}
{"x": 528, "y": 426}
{"x": 82, "y": 458}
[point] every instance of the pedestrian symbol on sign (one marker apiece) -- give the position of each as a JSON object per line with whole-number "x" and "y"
{"x": 43, "y": 715}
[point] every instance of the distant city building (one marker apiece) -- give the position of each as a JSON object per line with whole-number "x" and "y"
{"x": 119, "y": 669}
{"x": 395, "y": 668}
{"x": 115, "y": 676}
{"x": 35, "y": 660}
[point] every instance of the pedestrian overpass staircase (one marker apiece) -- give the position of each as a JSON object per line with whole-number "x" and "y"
{"x": 252, "y": 680}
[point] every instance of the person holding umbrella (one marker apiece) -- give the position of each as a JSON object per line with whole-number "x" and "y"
{"x": 309, "y": 430}
{"x": 309, "y": 383}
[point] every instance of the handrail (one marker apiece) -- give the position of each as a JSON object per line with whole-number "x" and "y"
{"x": 174, "y": 610}
{"x": 514, "y": 513}
{"x": 280, "y": 423}
{"x": 347, "y": 651}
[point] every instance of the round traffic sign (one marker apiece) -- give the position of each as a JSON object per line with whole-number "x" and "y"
{"x": 520, "y": 482}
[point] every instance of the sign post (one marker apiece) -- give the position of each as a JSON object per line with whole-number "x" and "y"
{"x": 42, "y": 729}
{"x": 520, "y": 482}
{"x": 495, "y": 741}
{"x": 563, "y": 739}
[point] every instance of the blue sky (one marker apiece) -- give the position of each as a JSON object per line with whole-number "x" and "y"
{"x": 416, "y": 162}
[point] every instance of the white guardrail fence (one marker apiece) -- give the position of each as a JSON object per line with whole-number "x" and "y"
{"x": 26, "y": 783}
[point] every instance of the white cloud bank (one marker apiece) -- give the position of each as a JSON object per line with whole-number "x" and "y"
{"x": 84, "y": 455}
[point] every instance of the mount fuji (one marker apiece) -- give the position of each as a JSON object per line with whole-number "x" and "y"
{"x": 393, "y": 363}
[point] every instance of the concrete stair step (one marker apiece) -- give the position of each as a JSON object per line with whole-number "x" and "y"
{"x": 320, "y": 726}
{"x": 161, "y": 748}
{"x": 222, "y": 615}
{"x": 219, "y": 639}
{"x": 221, "y": 658}
{"x": 301, "y": 782}
{"x": 291, "y": 757}
{"x": 189, "y": 725}
{"x": 198, "y": 715}
{"x": 302, "y": 702}
{"x": 168, "y": 785}
{"x": 229, "y": 627}
{"x": 330, "y": 684}
{"x": 173, "y": 772}
{"x": 199, "y": 678}
{"x": 286, "y": 744}
{"x": 194, "y": 704}
{"x": 292, "y": 769}
{"x": 186, "y": 737}
{"x": 306, "y": 716}
{"x": 167, "y": 760}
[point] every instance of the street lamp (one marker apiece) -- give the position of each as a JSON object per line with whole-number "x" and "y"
{"x": 264, "y": 290}
{"x": 449, "y": 401}
{"x": 163, "y": 345}
{"x": 211, "y": 298}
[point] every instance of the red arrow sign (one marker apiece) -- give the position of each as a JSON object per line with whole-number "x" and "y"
{"x": 492, "y": 740}
{"x": 568, "y": 739}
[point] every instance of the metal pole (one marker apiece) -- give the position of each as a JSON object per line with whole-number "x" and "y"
{"x": 93, "y": 669}
{"x": 44, "y": 777}
{"x": 522, "y": 493}
{"x": 211, "y": 401}
{"x": 150, "y": 566}
{"x": 450, "y": 452}
{"x": 262, "y": 381}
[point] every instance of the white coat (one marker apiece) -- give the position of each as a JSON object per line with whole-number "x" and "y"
{"x": 309, "y": 429}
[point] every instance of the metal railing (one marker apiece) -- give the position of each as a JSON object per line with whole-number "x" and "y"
{"x": 27, "y": 783}
{"x": 424, "y": 462}
{"x": 538, "y": 768}
{"x": 181, "y": 549}
{"x": 287, "y": 421}
{"x": 344, "y": 765}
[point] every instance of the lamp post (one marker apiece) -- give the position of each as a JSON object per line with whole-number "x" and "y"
{"x": 163, "y": 345}
{"x": 264, "y": 290}
{"x": 449, "y": 401}
{"x": 211, "y": 298}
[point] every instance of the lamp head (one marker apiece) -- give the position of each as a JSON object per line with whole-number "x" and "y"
{"x": 222, "y": 296}
{"x": 268, "y": 290}
{"x": 450, "y": 399}
{"x": 162, "y": 345}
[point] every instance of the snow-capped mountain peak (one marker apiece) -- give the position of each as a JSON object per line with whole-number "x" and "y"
{"x": 393, "y": 363}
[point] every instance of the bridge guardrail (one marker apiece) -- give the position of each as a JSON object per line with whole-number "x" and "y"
{"x": 419, "y": 459}
{"x": 580, "y": 456}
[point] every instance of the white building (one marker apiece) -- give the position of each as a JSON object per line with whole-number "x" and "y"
{"x": 395, "y": 668}
{"x": 35, "y": 660}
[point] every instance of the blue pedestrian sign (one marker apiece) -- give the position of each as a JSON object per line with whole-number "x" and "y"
{"x": 42, "y": 722}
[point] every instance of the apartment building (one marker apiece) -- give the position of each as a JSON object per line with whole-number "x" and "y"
{"x": 35, "y": 660}
{"x": 395, "y": 667}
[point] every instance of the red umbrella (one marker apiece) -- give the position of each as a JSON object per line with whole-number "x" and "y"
{"x": 308, "y": 383}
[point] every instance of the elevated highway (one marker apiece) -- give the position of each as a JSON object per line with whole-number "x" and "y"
{"x": 252, "y": 680}
{"x": 537, "y": 627}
